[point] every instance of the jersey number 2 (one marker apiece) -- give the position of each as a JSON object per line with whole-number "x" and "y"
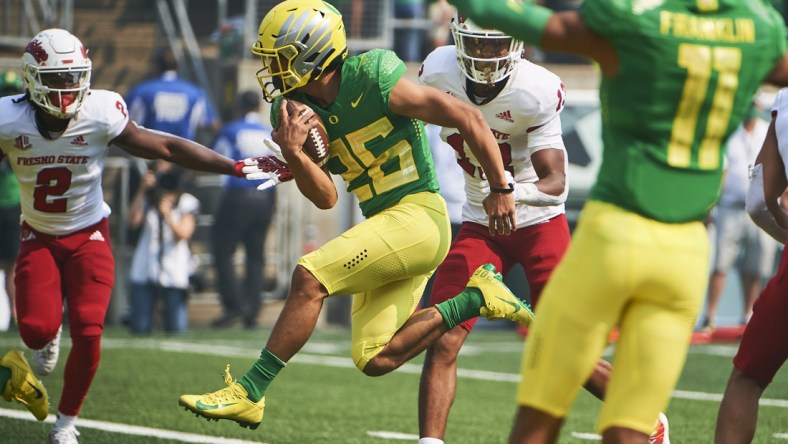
{"x": 52, "y": 182}
{"x": 700, "y": 62}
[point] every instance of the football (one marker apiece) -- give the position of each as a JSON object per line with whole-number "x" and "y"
{"x": 316, "y": 144}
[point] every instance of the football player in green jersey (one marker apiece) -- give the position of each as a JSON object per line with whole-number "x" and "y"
{"x": 677, "y": 78}
{"x": 373, "y": 117}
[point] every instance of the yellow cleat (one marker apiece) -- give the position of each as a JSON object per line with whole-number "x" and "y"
{"x": 230, "y": 403}
{"x": 23, "y": 387}
{"x": 500, "y": 302}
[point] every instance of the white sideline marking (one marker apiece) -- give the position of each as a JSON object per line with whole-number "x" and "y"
{"x": 130, "y": 429}
{"x": 394, "y": 435}
{"x": 781, "y": 435}
{"x": 587, "y": 436}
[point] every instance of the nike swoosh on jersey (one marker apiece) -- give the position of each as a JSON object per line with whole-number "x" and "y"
{"x": 202, "y": 406}
{"x": 354, "y": 103}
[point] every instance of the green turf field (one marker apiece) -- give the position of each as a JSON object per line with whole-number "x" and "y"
{"x": 322, "y": 398}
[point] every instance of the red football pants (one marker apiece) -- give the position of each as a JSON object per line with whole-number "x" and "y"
{"x": 79, "y": 269}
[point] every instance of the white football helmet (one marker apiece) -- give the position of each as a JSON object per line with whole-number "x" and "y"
{"x": 56, "y": 69}
{"x": 484, "y": 55}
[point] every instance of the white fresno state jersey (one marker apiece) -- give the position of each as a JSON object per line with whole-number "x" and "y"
{"x": 524, "y": 118}
{"x": 60, "y": 179}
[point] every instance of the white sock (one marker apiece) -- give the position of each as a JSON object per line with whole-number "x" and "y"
{"x": 430, "y": 441}
{"x": 64, "y": 421}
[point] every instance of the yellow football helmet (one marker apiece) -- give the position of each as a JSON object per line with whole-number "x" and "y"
{"x": 298, "y": 40}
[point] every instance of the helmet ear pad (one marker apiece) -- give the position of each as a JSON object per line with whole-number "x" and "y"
{"x": 56, "y": 70}
{"x": 308, "y": 34}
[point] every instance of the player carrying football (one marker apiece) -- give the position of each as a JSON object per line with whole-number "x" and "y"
{"x": 677, "y": 78}
{"x": 379, "y": 147}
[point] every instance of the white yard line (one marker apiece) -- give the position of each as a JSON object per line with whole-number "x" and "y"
{"x": 587, "y": 436}
{"x": 130, "y": 429}
{"x": 393, "y": 435}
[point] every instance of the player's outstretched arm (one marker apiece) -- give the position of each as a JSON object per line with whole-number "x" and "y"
{"x": 150, "y": 144}
{"x": 563, "y": 31}
{"x": 433, "y": 106}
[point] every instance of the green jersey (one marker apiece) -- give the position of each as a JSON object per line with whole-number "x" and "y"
{"x": 688, "y": 71}
{"x": 382, "y": 156}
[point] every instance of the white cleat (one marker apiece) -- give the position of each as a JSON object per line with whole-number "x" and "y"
{"x": 45, "y": 359}
{"x": 66, "y": 435}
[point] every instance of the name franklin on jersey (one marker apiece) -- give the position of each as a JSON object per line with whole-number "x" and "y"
{"x": 729, "y": 30}
{"x": 46, "y": 160}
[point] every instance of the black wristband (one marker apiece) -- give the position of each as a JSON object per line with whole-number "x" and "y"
{"x": 503, "y": 190}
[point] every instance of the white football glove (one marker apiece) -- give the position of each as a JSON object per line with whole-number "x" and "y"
{"x": 268, "y": 168}
{"x": 528, "y": 193}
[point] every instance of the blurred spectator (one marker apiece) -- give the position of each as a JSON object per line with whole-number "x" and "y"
{"x": 161, "y": 264}
{"x": 736, "y": 234}
{"x": 243, "y": 218}
{"x": 230, "y": 37}
{"x": 441, "y": 13}
{"x": 10, "y": 83}
{"x": 408, "y": 39}
{"x": 171, "y": 104}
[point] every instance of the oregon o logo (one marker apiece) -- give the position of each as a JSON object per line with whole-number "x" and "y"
{"x": 333, "y": 119}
